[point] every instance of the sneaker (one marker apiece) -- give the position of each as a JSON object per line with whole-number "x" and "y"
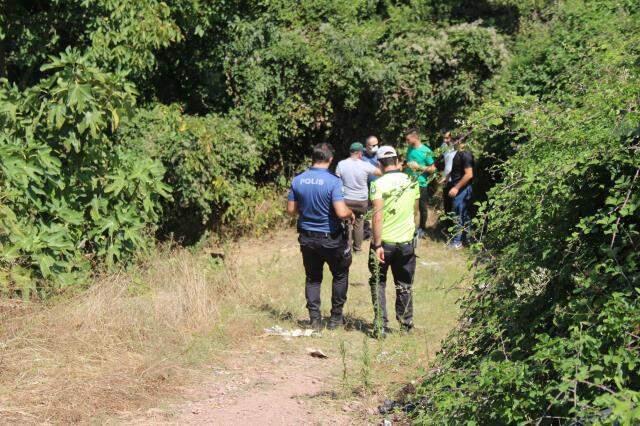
{"x": 454, "y": 246}
{"x": 335, "y": 322}
{"x": 421, "y": 233}
{"x": 316, "y": 324}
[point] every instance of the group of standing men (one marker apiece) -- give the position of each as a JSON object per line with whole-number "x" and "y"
{"x": 332, "y": 208}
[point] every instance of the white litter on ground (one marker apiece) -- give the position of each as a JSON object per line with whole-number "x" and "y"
{"x": 276, "y": 330}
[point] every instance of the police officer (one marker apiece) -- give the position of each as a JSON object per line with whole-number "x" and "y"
{"x": 394, "y": 198}
{"x": 317, "y": 198}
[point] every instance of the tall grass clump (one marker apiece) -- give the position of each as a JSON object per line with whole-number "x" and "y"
{"x": 131, "y": 337}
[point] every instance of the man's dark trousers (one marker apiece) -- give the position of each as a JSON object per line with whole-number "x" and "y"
{"x": 401, "y": 259}
{"x": 460, "y": 206}
{"x": 423, "y": 206}
{"x": 317, "y": 249}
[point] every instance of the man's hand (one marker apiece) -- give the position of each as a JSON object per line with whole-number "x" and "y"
{"x": 352, "y": 219}
{"x": 380, "y": 254}
{"x": 292, "y": 208}
{"x": 342, "y": 211}
{"x": 453, "y": 192}
{"x": 413, "y": 165}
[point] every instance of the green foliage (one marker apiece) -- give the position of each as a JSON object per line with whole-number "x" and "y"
{"x": 71, "y": 194}
{"x": 550, "y": 333}
{"x": 116, "y": 35}
{"x": 125, "y": 35}
{"x": 210, "y": 163}
{"x": 91, "y": 167}
{"x": 333, "y": 71}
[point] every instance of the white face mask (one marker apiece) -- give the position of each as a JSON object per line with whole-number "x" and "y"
{"x": 373, "y": 149}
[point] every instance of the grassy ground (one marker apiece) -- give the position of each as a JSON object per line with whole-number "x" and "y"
{"x": 275, "y": 275}
{"x": 136, "y": 338}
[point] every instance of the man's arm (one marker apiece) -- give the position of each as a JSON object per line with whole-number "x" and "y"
{"x": 466, "y": 178}
{"x": 376, "y": 225}
{"x": 342, "y": 211}
{"x": 431, "y": 168}
{"x": 374, "y": 170}
{"x": 292, "y": 208}
{"x": 339, "y": 206}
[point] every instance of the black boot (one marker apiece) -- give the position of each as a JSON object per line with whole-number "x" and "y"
{"x": 335, "y": 322}
{"x": 316, "y": 324}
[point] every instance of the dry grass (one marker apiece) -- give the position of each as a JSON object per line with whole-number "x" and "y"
{"x": 131, "y": 340}
{"x": 128, "y": 339}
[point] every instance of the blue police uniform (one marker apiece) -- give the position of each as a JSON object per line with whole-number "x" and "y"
{"x": 322, "y": 238}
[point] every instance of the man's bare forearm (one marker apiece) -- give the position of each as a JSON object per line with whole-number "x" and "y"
{"x": 292, "y": 208}
{"x": 377, "y": 230}
{"x": 468, "y": 175}
{"x": 376, "y": 223}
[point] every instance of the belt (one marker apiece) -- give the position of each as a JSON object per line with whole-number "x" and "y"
{"x": 320, "y": 234}
{"x": 384, "y": 243}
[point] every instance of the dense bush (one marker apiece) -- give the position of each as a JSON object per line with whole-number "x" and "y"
{"x": 211, "y": 165}
{"x": 550, "y": 332}
{"x": 88, "y": 161}
{"x": 71, "y": 194}
{"x": 335, "y": 71}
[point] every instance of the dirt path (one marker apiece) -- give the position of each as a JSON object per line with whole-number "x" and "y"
{"x": 271, "y": 380}
{"x": 270, "y": 389}
{"x": 276, "y": 382}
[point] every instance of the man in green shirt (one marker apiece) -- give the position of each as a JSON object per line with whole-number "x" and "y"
{"x": 419, "y": 165}
{"x": 393, "y": 197}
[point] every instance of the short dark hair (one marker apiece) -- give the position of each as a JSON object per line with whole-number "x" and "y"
{"x": 322, "y": 152}
{"x": 412, "y": 130}
{"x": 389, "y": 161}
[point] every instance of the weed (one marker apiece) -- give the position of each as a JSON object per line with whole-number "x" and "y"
{"x": 343, "y": 358}
{"x": 365, "y": 371}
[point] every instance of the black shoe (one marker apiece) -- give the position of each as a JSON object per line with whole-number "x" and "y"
{"x": 379, "y": 333}
{"x": 316, "y": 324}
{"x": 335, "y": 322}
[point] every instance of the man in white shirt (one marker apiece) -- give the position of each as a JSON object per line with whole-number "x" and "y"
{"x": 449, "y": 152}
{"x": 355, "y": 172}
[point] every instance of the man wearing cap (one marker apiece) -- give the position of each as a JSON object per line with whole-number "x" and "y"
{"x": 394, "y": 198}
{"x": 316, "y": 197}
{"x": 355, "y": 172}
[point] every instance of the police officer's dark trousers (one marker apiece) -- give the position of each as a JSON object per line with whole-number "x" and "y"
{"x": 401, "y": 259}
{"x": 317, "y": 249}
